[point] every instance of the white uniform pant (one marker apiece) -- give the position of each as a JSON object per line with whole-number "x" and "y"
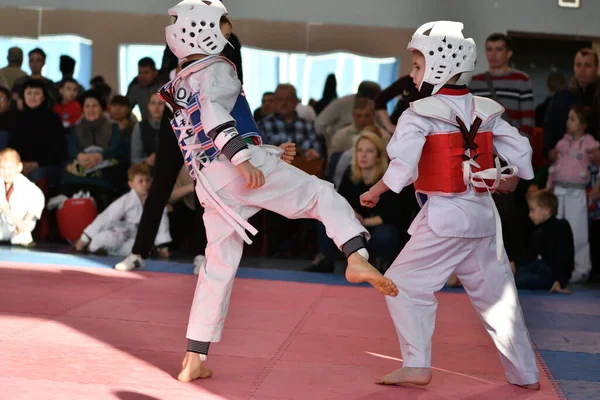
{"x": 572, "y": 206}
{"x": 423, "y": 267}
{"x": 287, "y": 191}
{"x": 7, "y": 232}
{"x": 115, "y": 241}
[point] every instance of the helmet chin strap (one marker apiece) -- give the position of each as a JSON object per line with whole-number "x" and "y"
{"x": 426, "y": 89}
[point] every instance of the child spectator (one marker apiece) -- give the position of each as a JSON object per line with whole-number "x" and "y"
{"x": 114, "y": 230}
{"x": 569, "y": 177}
{"x": 547, "y": 262}
{"x": 69, "y": 108}
{"x": 21, "y": 201}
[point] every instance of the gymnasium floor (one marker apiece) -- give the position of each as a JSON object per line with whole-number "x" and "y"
{"x": 73, "y": 328}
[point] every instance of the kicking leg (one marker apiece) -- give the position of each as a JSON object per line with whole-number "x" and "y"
{"x": 295, "y": 194}
{"x": 491, "y": 288}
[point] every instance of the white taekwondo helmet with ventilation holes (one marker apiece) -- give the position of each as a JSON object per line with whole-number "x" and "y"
{"x": 447, "y": 53}
{"x": 196, "y": 29}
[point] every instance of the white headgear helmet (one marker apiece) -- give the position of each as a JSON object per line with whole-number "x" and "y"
{"x": 447, "y": 53}
{"x": 197, "y": 29}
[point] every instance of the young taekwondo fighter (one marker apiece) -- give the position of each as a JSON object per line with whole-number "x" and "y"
{"x": 236, "y": 175}
{"x": 445, "y": 144}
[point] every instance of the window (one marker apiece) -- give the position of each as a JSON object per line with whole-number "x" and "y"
{"x": 54, "y": 46}
{"x": 264, "y": 69}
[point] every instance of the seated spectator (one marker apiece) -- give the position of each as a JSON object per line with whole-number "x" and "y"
{"x": 94, "y": 148}
{"x": 345, "y": 159}
{"x": 284, "y": 125}
{"x": 145, "y": 134}
{"x": 21, "y": 201}
{"x": 120, "y": 113}
{"x": 68, "y": 108}
{"x": 114, "y": 230}
{"x": 405, "y": 91}
{"x": 67, "y": 69}
{"x": 363, "y": 115}
{"x": 7, "y": 117}
{"x": 266, "y": 108}
{"x": 548, "y": 260}
{"x": 338, "y": 113}
{"x": 39, "y": 136}
{"x": 369, "y": 163}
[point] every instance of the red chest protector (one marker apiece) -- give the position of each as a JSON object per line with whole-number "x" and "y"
{"x": 450, "y": 158}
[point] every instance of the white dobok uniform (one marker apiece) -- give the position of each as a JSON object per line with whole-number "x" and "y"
{"x": 228, "y": 203}
{"x": 457, "y": 233}
{"x": 115, "y": 228}
{"x": 26, "y": 198}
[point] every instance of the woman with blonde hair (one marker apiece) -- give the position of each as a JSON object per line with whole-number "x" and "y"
{"x": 384, "y": 222}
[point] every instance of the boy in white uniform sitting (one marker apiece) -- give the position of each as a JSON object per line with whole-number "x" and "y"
{"x": 21, "y": 201}
{"x": 114, "y": 230}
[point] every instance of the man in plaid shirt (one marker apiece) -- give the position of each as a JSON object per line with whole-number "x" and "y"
{"x": 284, "y": 125}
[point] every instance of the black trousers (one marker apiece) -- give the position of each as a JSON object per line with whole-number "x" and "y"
{"x": 167, "y": 165}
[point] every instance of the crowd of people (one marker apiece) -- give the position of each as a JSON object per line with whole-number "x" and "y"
{"x": 68, "y": 141}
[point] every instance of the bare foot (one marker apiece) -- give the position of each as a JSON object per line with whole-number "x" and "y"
{"x": 359, "y": 270}
{"x": 416, "y": 376}
{"x": 531, "y": 386}
{"x": 192, "y": 368}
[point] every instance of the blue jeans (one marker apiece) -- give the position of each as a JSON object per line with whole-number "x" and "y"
{"x": 384, "y": 242}
{"x": 535, "y": 276}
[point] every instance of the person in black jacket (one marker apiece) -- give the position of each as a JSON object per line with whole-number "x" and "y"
{"x": 548, "y": 261}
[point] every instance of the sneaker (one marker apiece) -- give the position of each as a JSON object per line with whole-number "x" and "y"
{"x": 132, "y": 262}
{"x": 199, "y": 263}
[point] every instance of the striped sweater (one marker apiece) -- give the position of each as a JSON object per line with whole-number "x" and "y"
{"x": 514, "y": 92}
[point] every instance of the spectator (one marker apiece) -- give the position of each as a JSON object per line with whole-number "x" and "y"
{"x": 145, "y": 134}
{"x": 507, "y": 86}
{"x": 37, "y": 60}
{"x": 406, "y": 92}
{"x": 182, "y": 205}
{"x": 21, "y": 202}
{"x": 120, "y": 113}
{"x": 285, "y": 126}
{"x": 584, "y": 90}
{"x": 266, "y": 108}
{"x": 94, "y": 148}
{"x": 12, "y": 72}
{"x": 7, "y": 117}
{"x": 113, "y": 231}
{"x": 143, "y": 86}
{"x": 363, "y": 115}
{"x": 39, "y": 135}
{"x": 547, "y": 262}
{"x": 329, "y": 94}
{"x": 69, "y": 108}
{"x": 556, "y": 82}
{"x": 338, "y": 113}
{"x": 569, "y": 177}
{"x": 369, "y": 163}
{"x": 67, "y": 69}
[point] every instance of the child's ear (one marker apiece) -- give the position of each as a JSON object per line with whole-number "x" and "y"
{"x": 20, "y": 167}
{"x": 130, "y": 184}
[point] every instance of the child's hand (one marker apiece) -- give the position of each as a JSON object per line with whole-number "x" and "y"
{"x": 289, "y": 152}
{"x": 253, "y": 176}
{"x": 79, "y": 246}
{"x": 163, "y": 252}
{"x": 369, "y": 199}
{"x": 553, "y": 155}
{"x": 556, "y": 288}
{"x": 531, "y": 190}
{"x": 508, "y": 185}
{"x": 311, "y": 154}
